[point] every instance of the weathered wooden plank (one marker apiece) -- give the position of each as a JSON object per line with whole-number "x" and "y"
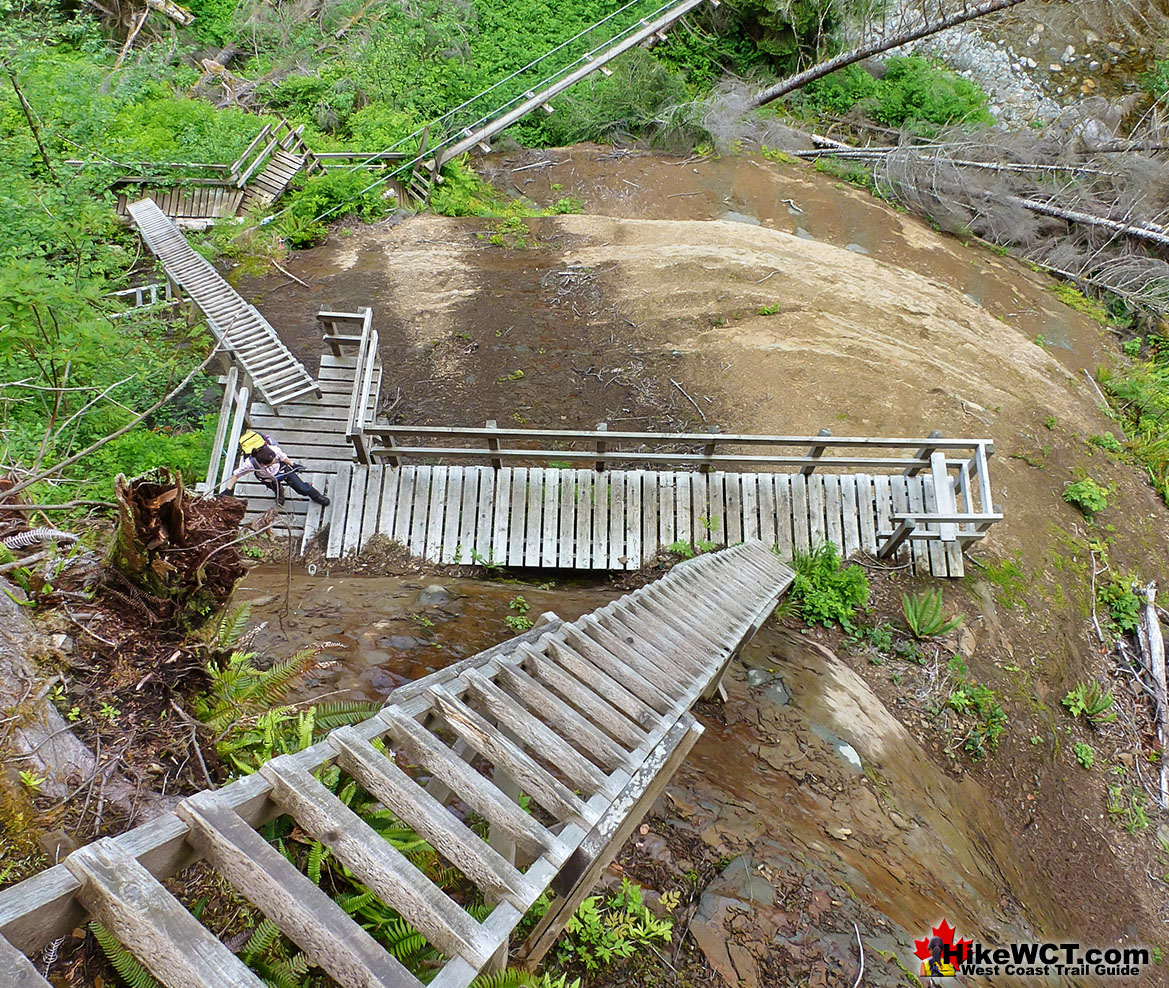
{"x": 375, "y": 478}
{"x": 468, "y": 515}
{"x": 925, "y": 498}
{"x": 572, "y": 662}
{"x": 502, "y": 519}
{"x": 550, "y": 528}
{"x": 883, "y": 502}
{"x": 604, "y": 716}
{"x": 834, "y": 529}
{"x": 667, "y": 484}
{"x": 866, "y": 514}
{"x": 817, "y": 527}
{"x": 638, "y": 676}
{"x": 733, "y": 491}
{"x": 801, "y": 534}
{"x": 16, "y": 970}
{"x": 583, "y": 550}
{"x": 699, "y": 507}
{"x": 848, "y": 505}
{"x": 617, "y": 521}
{"x": 540, "y": 740}
{"x": 376, "y": 862}
{"x": 421, "y": 514}
{"x": 132, "y": 904}
{"x": 765, "y": 508}
{"x": 649, "y": 514}
{"x": 312, "y": 518}
{"x": 531, "y": 777}
{"x": 632, "y": 554}
{"x": 338, "y": 509}
{"x": 389, "y": 505}
{"x": 411, "y": 803}
{"x": 485, "y": 522}
{"x": 899, "y": 492}
{"x": 452, "y": 514}
{"x": 600, "y": 541}
{"x": 356, "y": 510}
{"x": 566, "y": 532}
{"x": 554, "y": 711}
{"x": 404, "y": 513}
{"x": 303, "y": 912}
{"x": 533, "y": 534}
{"x": 519, "y": 515}
{"x": 683, "y": 502}
{"x": 436, "y": 513}
{"x": 751, "y": 524}
{"x": 646, "y": 660}
{"x": 714, "y": 519}
{"x": 473, "y": 789}
{"x": 783, "y": 516}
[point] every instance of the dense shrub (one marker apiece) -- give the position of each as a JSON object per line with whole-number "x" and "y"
{"x": 914, "y": 92}
{"x": 826, "y": 592}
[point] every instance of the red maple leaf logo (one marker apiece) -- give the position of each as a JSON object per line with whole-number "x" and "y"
{"x": 957, "y": 954}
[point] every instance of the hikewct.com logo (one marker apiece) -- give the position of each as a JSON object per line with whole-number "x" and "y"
{"x": 943, "y": 957}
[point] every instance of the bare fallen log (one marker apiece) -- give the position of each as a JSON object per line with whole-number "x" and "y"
{"x": 1153, "y": 653}
{"x": 877, "y": 46}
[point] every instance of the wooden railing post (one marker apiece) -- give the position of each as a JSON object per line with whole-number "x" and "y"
{"x": 924, "y": 454}
{"x": 493, "y": 445}
{"x": 708, "y": 451}
{"x": 895, "y": 541}
{"x": 602, "y": 446}
{"x": 815, "y": 453}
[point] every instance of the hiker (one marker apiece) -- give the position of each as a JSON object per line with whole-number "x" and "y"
{"x": 272, "y": 468}
{"x": 934, "y": 966}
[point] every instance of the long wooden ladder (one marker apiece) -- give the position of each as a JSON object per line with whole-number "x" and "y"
{"x": 587, "y": 719}
{"x": 245, "y": 335}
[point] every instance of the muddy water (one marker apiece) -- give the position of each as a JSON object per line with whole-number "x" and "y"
{"x": 385, "y": 631}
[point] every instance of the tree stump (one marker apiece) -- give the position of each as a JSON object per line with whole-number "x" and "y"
{"x": 175, "y": 548}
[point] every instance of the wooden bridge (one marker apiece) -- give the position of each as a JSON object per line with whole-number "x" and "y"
{"x": 596, "y": 499}
{"x": 246, "y": 337}
{"x": 589, "y": 720}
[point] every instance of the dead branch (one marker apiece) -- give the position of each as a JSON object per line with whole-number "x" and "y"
{"x": 1153, "y": 649}
{"x": 877, "y": 46}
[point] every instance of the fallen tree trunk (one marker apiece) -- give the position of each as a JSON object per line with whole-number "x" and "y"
{"x": 1153, "y": 645}
{"x": 875, "y": 47}
{"x": 178, "y": 549}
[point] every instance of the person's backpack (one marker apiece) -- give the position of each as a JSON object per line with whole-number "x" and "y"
{"x": 251, "y": 441}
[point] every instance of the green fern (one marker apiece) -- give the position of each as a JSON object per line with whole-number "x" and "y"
{"x": 240, "y": 691}
{"x": 129, "y": 968}
{"x": 231, "y": 628}
{"x": 924, "y": 617}
{"x": 509, "y": 977}
{"x": 316, "y": 856}
{"x": 262, "y": 938}
{"x": 344, "y": 712}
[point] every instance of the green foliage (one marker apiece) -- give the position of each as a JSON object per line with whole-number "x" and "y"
{"x": 1093, "y": 701}
{"x": 980, "y": 707}
{"x": 827, "y": 592}
{"x": 1126, "y": 805}
{"x": 1087, "y": 495}
{"x": 1072, "y": 297}
{"x": 1142, "y": 394}
{"x": 1156, "y": 80}
{"x": 337, "y": 193}
{"x": 1107, "y": 442}
{"x": 1121, "y": 602}
{"x": 604, "y": 930}
{"x": 924, "y": 617}
{"x": 239, "y": 690}
{"x": 914, "y": 92}
{"x": 129, "y": 969}
{"x": 511, "y": 977}
{"x": 1084, "y": 754}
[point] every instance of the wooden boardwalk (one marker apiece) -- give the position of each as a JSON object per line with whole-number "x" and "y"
{"x": 245, "y": 335}
{"x": 588, "y": 720}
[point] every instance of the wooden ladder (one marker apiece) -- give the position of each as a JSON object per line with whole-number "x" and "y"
{"x": 245, "y": 335}
{"x": 587, "y": 719}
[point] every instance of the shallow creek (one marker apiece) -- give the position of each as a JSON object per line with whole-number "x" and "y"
{"x": 832, "y": 812}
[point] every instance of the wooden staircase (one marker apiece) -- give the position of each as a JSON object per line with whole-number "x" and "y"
{"x": 245, "y": 335}
{"x": 587, "y": 719}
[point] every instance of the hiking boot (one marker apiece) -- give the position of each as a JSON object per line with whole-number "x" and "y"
{"x": 320, "y": 499}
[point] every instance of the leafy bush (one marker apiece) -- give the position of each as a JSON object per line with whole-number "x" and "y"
{"x": 1107, "y": 442}
{"x": 1091, "y": 700}
{"x": 979, "y": 702}
{"x": 1121, "y": 602}
{"x": 913, "y": 92}
{"x": 924, "y": 617}
{"x": 1084, "y": 754}
{"x": 338, "y": 193}
{"x": 604, "y": 930}
{"x": 1087, "y": 495}
{"x": 828, "y": 593}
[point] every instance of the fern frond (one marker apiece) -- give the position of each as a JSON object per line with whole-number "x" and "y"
{"x": 263, "y": 936}
{"x": 278, "y": 974}
{"x": 128, "y": 966}
{"x": 344, "y": 712}
{"x": 509, "y": 977}
{"x": 356, "y": 901}
{"x": 316, "y": 856}
{"x": 231, "y": 627}
{"x": 274, "y": 683}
